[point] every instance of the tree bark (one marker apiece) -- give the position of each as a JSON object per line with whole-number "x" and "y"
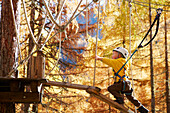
{"x": 151, "y": 66}
{"x": 8, "y": 45}
{"x": 166, "y": 66}
{"x": 124, "y": 23}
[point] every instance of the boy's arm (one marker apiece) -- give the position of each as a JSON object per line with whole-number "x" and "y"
{"x": 107, "y": 61}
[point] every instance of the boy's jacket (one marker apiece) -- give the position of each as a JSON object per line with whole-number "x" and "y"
{"x": 116, "y": 64}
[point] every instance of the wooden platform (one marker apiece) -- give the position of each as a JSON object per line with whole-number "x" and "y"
{"x": 21, "y": 90}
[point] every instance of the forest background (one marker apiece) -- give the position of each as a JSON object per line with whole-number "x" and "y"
{"x": 65, "y": 33}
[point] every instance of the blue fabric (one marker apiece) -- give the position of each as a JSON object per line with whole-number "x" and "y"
{"x": 121, "y": 78}
{"x": 124, "y": 85}
{"x": 128, "y": 93}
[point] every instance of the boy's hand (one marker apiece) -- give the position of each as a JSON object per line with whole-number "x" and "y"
{"x": 98, "y": 58}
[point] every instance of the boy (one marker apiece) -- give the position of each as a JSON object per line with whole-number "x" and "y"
{"x": 121, "y": 85}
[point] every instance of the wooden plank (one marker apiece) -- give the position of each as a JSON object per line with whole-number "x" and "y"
{"x": 68, "y": 85}
{"x": 109, "y": 101}
{"x": 32, "y": 67}
{"x": 34, "y": 86}
{"x": 18, "y": 84}
{"x": 4, "y": 86}
{"x": 40, "y": 65}
{"x": 12, "y": 90}
{"x": 20, "y": 97}
{"x": 14, "y": 86}
{"x": 25, "y": 80}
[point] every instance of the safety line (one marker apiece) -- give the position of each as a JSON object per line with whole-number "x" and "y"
{"x": 97, "y": 35}
{"x": 159, "y": 11}
{"x": 152, "y": 3}
{"x": 148, "y": 6}
{"x": 130, "y": 10}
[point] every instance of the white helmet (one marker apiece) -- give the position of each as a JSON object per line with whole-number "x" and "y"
{"x": 122, "y": 50}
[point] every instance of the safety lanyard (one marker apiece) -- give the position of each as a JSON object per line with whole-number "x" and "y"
{"x": 159, "y": 11}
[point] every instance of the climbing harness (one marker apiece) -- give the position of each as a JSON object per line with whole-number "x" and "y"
{"x": 159, "y": 11}
{"x": 121, "y": 78}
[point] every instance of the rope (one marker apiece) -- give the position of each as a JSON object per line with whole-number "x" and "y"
{"x": 130, "y": 10}
{"x": 27, "y": 21}
{"x": 156, "y": 19}
{"x": 32, "y": 51}
{"x": 109, "y": 85}
{"x": 97, "y": 35}
{"x": 39, "y": 37}
{"x": 79, "y": 13}
{"x": 59, "y": 51}
{"x": 153, "y": 3}
{"x": 48, "y": 36}
{"x": 50, "y": 15}
{"x": 63, "y": 27}
{"x": 86, "y": 20}
{"x": 139, "y": 3}
{"x": 71, "y": 18}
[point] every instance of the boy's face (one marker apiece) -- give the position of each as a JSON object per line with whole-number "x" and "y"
{"x": 115, "y": 55}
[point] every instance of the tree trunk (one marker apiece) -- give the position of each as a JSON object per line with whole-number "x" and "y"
{"x": 151, "y": 66}
{"x": 124, "y": 23}
{"x": 166, "y": 66}
{"x": 8, "y": 45}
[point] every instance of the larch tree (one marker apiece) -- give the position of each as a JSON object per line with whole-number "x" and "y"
{"x": 8, "y": 44}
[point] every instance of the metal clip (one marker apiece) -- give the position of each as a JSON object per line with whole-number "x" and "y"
{"x": 159, "y": 10}
{"x": 95, "y": 0}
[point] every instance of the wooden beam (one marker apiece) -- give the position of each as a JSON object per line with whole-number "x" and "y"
{"x": 20, "y": 97}
{"x": 25, "y": 80}
{"x": 109, "y": 101}
{"x": 75, "y": 86}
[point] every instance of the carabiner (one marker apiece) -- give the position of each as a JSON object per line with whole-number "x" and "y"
{"x": 159, "y": 11}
